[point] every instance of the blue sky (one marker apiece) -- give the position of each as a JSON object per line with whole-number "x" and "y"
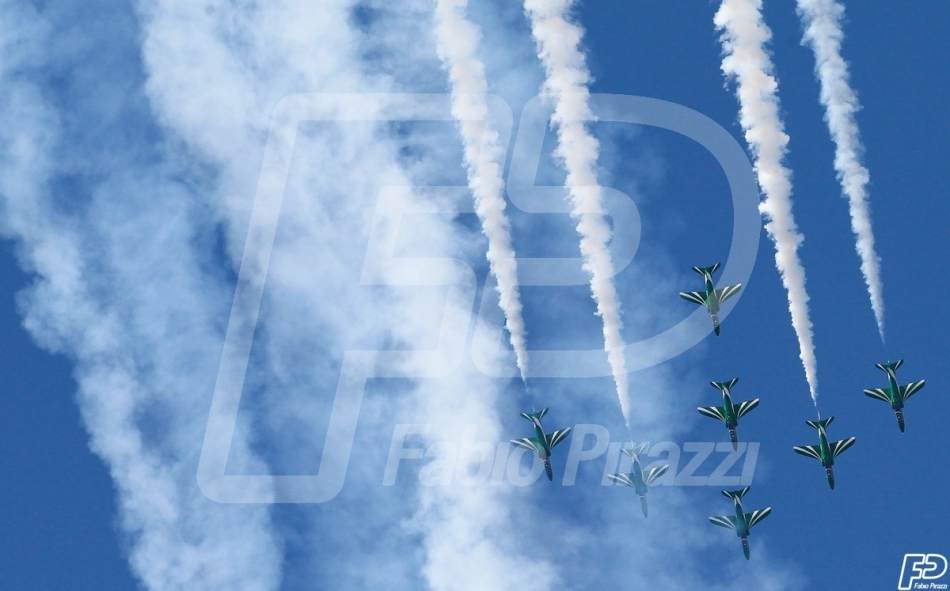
{"x": 132, "y": 146}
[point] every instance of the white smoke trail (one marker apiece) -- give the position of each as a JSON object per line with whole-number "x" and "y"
{"x": 822, "y": 20}
{"x": 317, "y": 300}
{"x": 457, "y": 40}
{"x": 118, "y": 288}
{"x": 566, "y": 79}
{"x": 744, "y": 35}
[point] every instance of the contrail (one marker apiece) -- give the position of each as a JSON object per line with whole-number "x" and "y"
{"x": 744, "y": 35}
{"x": 822, "y": 20}
{"x": 457, "y": 39}
{"x": 557, "y": 41}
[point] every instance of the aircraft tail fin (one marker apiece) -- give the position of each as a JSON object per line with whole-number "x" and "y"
{"x": 889, "y": 367}
{"x": 735, "y": 495}
{"x": 636, "y": 452}
{"x": 706, "y": 270}
{"x": 725, "y": 385}
{"x": 818, "y": 424}
{"x": 535, "y": 417}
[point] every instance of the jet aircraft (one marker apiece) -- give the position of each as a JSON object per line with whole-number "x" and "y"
{"x": 712, "y": 298}
{"x": 825, "y": 452}
{"x": 541, "y": 443}
{"x": 729, "y": 413}
{"x": 637, "y": 479}
{"x": 895, "y": 395}
{"x": 741, "y": 522}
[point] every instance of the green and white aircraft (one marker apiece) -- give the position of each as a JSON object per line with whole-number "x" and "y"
{"x": 636, "y": 479}
{"x": 729, "y": 413}
{"x": 825, "y": 452}
{"x": 895, "y": 395}
{"x": 712, "y": 298}
{"x": 741, "y": 522}
{"x": 541, "y": 443}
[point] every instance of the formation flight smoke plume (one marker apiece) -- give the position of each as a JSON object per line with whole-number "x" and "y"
{"x": 458, "y": 39}
{"x": 822, "y": 21}
{"x": 566, "y": 78}
{"x": 744, "y": 35}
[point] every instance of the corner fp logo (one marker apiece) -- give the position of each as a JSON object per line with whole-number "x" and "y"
{"x": 922, "y": 567}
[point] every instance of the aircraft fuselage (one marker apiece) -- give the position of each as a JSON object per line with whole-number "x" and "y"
{"x": 827, "y": 458}
{"x": 732, "y": 419}
{"x": 641, "y": 485}
{"x": 544, "y": 452}
{"x": 731, "y": 416}
{"x": 894, "y": 392}
{"x": 897, "y": 403}
{"x": 742, "y": 525}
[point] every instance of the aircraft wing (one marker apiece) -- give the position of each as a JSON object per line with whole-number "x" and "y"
{"x": 808, "y": 450}
{"x": 557, "y": 437}
{"x": 911, "y": 389}
{"x": 622, "y": 479}
{"x": 528, "y": 443}
{"x": 654, "y": 473}
{"x": 716, "y": 412}
{"x": 757, "y": 516}
{"x": 724, "y": 521}
{"x": 745, "y": 407}
{"x": 697, "y": 297}
{"x": 727, "y": 292}
{"x": 839, "y": 446}
{"x": 878, "y": 393}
